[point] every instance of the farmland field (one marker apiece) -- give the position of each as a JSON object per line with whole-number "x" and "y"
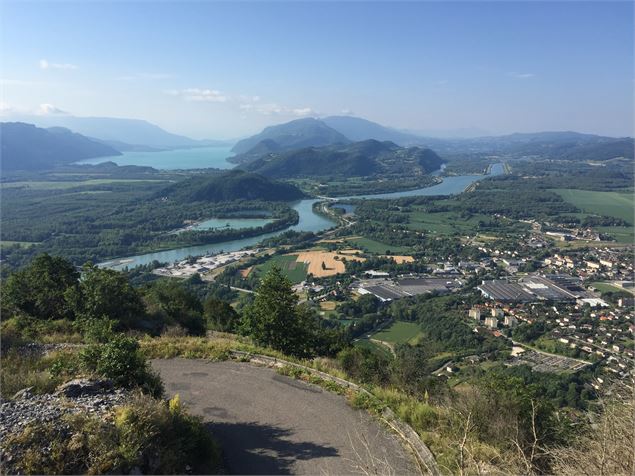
{"x": 324, "y": 263}
{"x": 296, "y": 272}
{"x": 613, "y": 204}
{"x": 377, "y": 247}
{"x": 444, "y": 223}
{"x": 399, "y": 332}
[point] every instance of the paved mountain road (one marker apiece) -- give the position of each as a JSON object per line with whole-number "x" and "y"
{"x": 271, "y": 424}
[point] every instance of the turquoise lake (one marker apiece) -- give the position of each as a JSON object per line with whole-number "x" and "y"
{"x": 196, "y": 158}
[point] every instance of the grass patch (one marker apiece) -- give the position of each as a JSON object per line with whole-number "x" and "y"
{"x": 399, "y": 332}
{"x": 612, "y": 204}
{"x": 377, "y": 247}
{"x": 375, "y": 348}
{"x": 621, "y": 234}
{"x": 296, "y": 272}
{"x": 607, "y": 288}
{"x": 444, "y": 223}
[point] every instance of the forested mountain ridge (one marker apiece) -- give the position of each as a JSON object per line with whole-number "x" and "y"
{"x": 359, "y": 159}
{"x": 291, "y": 135}
{"x": 232, "y": 185}
{"x": 27, "y": 147}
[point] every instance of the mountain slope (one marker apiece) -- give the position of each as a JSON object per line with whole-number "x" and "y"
{"x": 26, "y": 147}
{"x": 233, "y": 185}
{"x": 296, "y": 134}
{"x": 359, "y": 159}
{"x": 134, "y": 132}
{"x": 358, "y": 129}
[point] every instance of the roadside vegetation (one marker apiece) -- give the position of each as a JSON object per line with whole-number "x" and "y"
{"x": 494, "y": 419}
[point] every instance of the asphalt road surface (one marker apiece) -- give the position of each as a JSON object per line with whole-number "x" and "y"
{"x": 271, "y": 424}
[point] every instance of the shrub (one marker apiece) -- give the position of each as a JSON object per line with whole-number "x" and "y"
{"x": 120, "y": 360}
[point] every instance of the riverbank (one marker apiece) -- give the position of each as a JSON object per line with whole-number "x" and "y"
{"x": 308, "y": 220}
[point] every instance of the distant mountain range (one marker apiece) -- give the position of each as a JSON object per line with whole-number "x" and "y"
{"x": 232, "y": 185}
{"x": 26, "y": 147}
{"x": 342, "y": 130}
{"x": 123, "y": 134}
{"x": 276, "y": 146}
{"x": 358, "y": 159}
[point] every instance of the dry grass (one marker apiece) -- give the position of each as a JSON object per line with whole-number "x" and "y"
{"x": 334, "y": 263}
{"x": 400, "y": 259}
{"x": 245, "y": 272}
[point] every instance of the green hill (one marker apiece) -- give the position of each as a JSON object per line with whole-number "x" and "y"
{"x": 296, "y": 134}
{"x": 360, "y": 159}
{"x": 26, "y": 147}
{"x": 232, "y": 185}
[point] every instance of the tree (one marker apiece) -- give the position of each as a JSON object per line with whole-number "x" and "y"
{"x": 271, "y": 320}
{"x": 220, "y": 315}
{"x": 178, "y": 305}
{"x": 106, "y": 293}
{"x": 41, "y": 288}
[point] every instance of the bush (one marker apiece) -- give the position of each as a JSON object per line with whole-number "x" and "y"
{"x": 149, "y": 436}
{"x": 121, "y": 361}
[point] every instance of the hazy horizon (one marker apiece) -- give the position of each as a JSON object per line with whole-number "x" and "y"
{"x": 218, "y": 70}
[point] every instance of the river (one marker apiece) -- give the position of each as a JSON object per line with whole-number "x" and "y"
{"x": 309, "y": 221}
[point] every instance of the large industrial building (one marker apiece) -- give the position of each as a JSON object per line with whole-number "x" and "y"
{"x": 389, "y": 290}
{"x": 533, "y": 288}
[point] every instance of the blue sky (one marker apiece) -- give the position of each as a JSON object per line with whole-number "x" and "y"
{"x": 219, "y": 70}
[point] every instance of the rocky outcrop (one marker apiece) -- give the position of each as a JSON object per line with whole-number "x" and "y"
{"x": 94, "y": 397}
{"x": 81, "y": 387}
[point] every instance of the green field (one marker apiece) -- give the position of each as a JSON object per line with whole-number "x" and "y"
{"x": 377, "y": 247}
{"x": 399, "y": 332}
{"x": 62, "y": 185}
{"x": 607, "y": 288}
{"x": 296, "y": 272}
{"x": 622, "y": 234}
{"x": 377, "y": 349}
{"x": 612, "y": 204}
{"x": 444, "y": 223}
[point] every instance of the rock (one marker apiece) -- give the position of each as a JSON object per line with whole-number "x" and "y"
{"x": 78, "y": 387}
{"x": 23, "y": 394}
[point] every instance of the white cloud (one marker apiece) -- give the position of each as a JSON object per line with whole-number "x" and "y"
{"x": 44, "y": 64}
{"x": 49, "y": 110}
{"x": 517, "y": 75}
{"x": 199, "y": 95}
{"x": 245, "y": 103}
{"x": 275, "y": 109}
{"x": 347, "y": 112}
